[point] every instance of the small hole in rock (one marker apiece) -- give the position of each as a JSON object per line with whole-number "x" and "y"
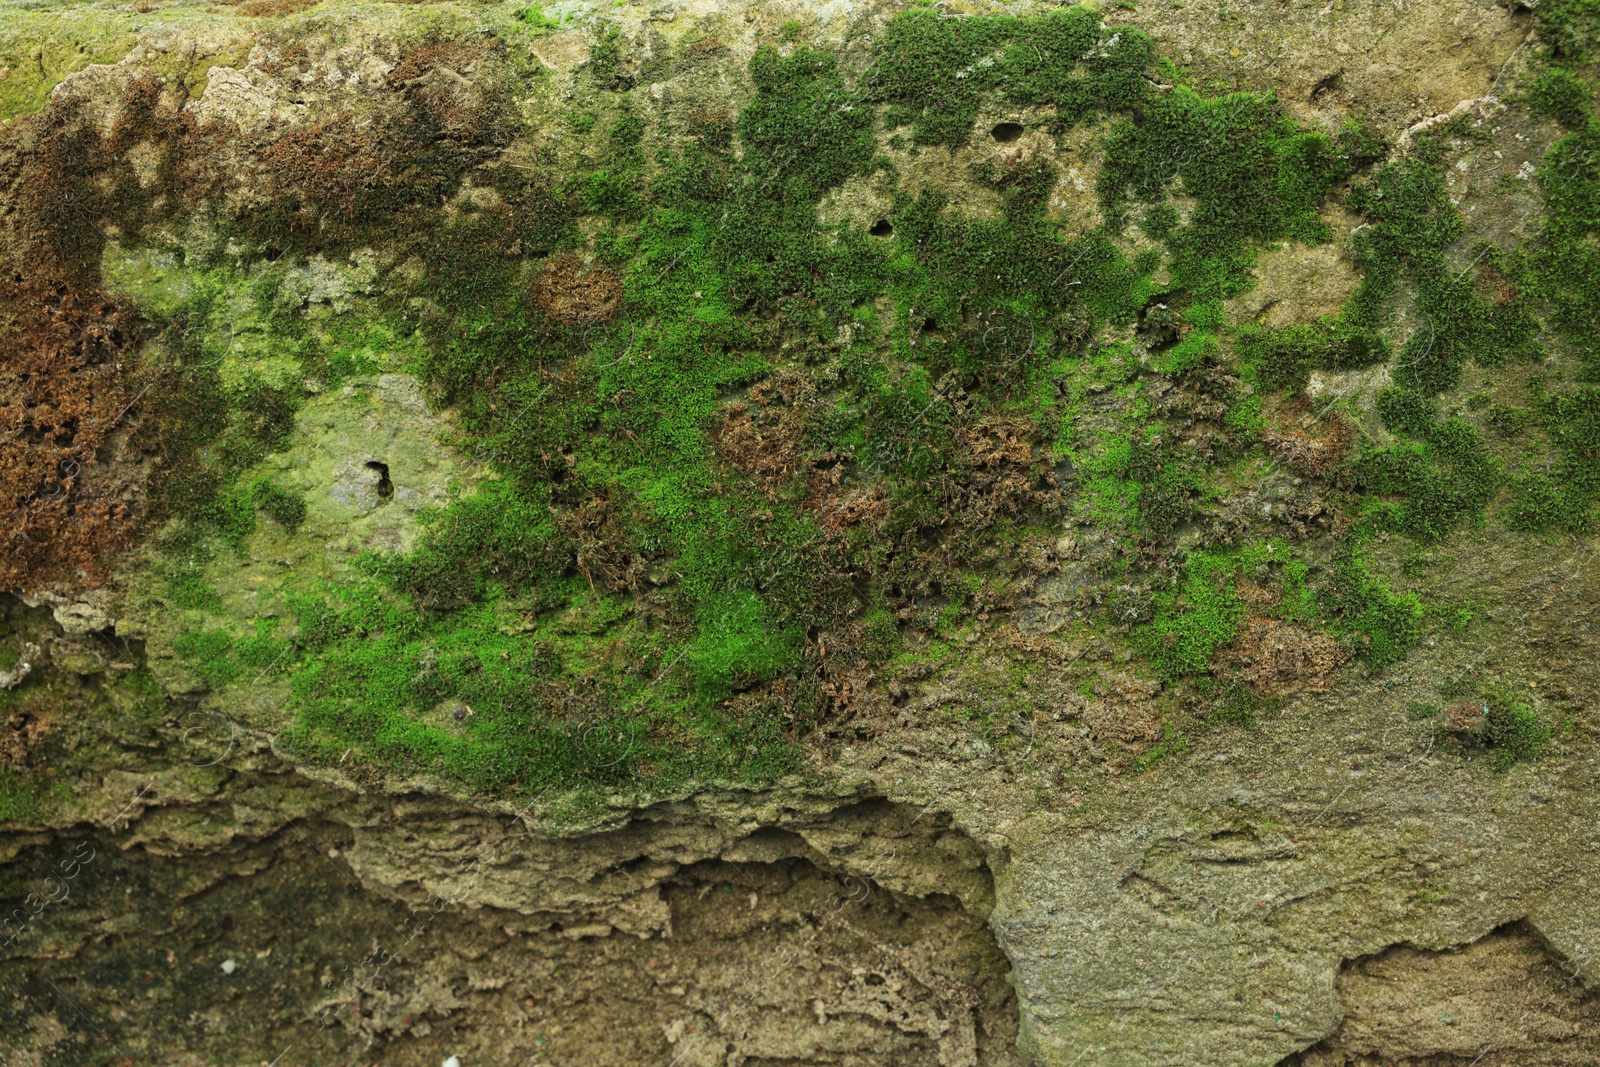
{"x": 1330, "y": 84}
{"x": 1006, "y": 132}
{"x": 881, "y": 228}
{"x": 385, "y": 486}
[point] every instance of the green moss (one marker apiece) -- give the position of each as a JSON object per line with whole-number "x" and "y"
{"x": 1507, "y": 422}
{"x": 882, "y": 640}
{"x": 1540, "y": 502}
{"x": 704, "y": 245}
{"x": 737, "y": 642}
{"x": 1159, "y": 221}
{"x": 1283, "y": 357}
{"x": 593, "y": 491}
{"x": 1563, "y": 498}
{"x": 615, "y": 190}
{"x": 1419, "y": 710}
{"x": 181, "y": 558}
{"x": 804, "y": 122}
{"x": 1569, "y": 27}
{"x": 939, "y": 69}
{"x": 1563, "y": 271}
{"x": 1562, "y": 96}
{"x": 1267, "y": 184}
{"x": 1245, "y": 415}
{"x": 1381, "y": 625}
{"x": 605, "y": 60}
{"x": 1201, "y": 615}
{"x": 1513, "y": 730}
{"x": 645, "y": 591}
{"x": 210, "y": 654}
{"x": 23, "y": 794}
{"x": 535, "y": 19}
{"x": 235, "y": 350}
{"x": 39, "y": 48}
{"x": 358, "y": 344}
{"x": 461, "y": 696}
{"x": 1411, "y": 223}
{"x": 286, "y": 507}
{"x": 1173, "y": 742}
{"x": 1446, "y": 474}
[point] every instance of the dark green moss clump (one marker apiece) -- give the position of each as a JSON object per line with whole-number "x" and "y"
{"x": 1255, "y": 174}
{"x": 1565, "y": 268}
{"x": 935, "y": 72}
{"x": 1563, "y": 273}
{"x": 1380, "y": 624}
{"x": 1445, "y": 472}
{"x": 1413, "y": 223}
{"x": 1473, "y": 314}
{"x": 1512, "y": 730}
{"x": 1571, "y": 28}
{"x": 1562, "y": 498}
{"x": 285, "y": 507}
{"x": 1561, "y": 95}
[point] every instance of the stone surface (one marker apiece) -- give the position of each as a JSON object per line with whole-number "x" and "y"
{"x": 1341, "y": 883}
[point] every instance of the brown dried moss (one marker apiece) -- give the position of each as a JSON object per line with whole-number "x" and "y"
{"x": 1125, "y": 712}
{"x": 343, "y": 177}
{"x": 64, "y": 391}
{"x": 270, "y": 8}
{"x": 838, "y": 508}
{"x": 1311, "y": 447}
{"x": 1276, "y": 656}
{"x": 1467, "y": 716}
{"x": 72, "y": 492}
{"x": 765, "y": 454}
{"x": 26, "y": 725}
{"x": 767, "y": 447}
{"x": 286, "y": 57}
{"x": 334, "y": 167}
{"x": 64, "y": 181}
{"x": 575, "y": 295}
{"x": 600, "y": 535}
{"x": 456, "y": 56}
{"x": 994, "y": 473}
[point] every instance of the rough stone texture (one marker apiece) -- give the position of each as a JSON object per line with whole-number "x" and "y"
{"x": 1341, "y": 884}
{"x": 1498, "y": 1000}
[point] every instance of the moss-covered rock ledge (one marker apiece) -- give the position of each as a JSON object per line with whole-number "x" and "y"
{"x": 1073, "y": 528}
